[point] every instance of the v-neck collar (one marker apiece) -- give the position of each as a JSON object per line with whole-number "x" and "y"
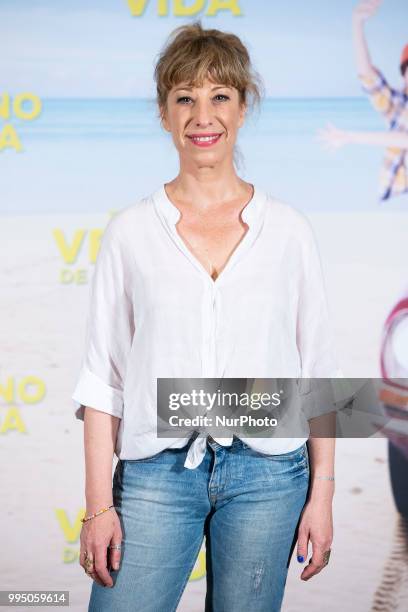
{"x": 251, "y": 214}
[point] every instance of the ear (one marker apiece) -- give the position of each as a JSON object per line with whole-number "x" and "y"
{"x": 242, "y": 113}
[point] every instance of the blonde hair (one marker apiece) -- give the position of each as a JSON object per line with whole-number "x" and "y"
{"x": 191, "y": 53}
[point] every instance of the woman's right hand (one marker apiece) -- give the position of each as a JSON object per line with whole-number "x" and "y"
{"x": 97, "y": 535}
{"x": 365, "y": 9}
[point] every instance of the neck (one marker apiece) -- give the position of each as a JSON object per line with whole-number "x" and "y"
{"x": 204, "y": 192}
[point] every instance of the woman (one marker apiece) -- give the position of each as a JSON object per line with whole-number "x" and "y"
{"x": 207, "y": 277}
{"x": 391, "y": 103}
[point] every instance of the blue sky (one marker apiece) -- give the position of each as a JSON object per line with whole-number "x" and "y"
{"x": 94, "y": 48}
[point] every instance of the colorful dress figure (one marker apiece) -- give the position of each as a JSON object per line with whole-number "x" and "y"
{"x": 393, "y": 105}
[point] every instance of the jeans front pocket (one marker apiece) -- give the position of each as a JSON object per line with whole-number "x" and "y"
{"x": 296, "y": 459}
{"x": 291, "y": 463}
{"x": 147, "y": 459}
{"x": 283, "y": 467}
{"x": 298, "y": 454}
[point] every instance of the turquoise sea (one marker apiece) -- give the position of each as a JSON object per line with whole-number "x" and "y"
{"x": 98, "y": 155}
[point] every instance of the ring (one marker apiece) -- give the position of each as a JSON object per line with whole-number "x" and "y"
{"x": 88, "y": 563}
{"x": 116, "y": 546}
{"x": 326, "y": 556}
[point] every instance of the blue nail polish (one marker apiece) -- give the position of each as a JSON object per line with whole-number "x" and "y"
{"x": 300, "y": 558}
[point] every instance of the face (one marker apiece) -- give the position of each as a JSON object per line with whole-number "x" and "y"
{"x": 204, "y": 121}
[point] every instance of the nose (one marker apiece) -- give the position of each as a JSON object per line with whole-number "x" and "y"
{"x": 202, "y": 114}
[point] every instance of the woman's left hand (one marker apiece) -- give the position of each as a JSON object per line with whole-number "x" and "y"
{"x": 316, "y": 525}
{"x": 332, "y": 137}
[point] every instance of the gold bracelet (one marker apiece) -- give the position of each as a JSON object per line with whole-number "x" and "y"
{"x": 87, "y": 518}
{"x": 325, "y": 477}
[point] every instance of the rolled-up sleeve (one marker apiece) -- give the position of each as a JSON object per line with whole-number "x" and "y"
{"x": 379, "y": 92}
{"x": 109, "y": 330}
{"x": 314, "y": 332}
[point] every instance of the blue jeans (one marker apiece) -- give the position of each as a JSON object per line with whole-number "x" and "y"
{"x": 245, "y": 503}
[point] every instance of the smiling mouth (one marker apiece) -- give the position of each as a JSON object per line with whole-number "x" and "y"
{"x": 205, "y": 141}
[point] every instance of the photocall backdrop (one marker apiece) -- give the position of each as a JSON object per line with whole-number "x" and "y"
{"x": 79, "y": 141}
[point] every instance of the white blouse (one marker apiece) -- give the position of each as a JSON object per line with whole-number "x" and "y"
{"x": 156, "y": 312}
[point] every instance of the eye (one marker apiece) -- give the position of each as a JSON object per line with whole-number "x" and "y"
{"x": 183, "y": 98}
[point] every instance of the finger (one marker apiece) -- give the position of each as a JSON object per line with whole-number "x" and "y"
{"x": 85, "y": 557}
{"x": 374, "y": 5}
{"x": 315, "y": 565}
{"x": 370, "y": 5}
{"x": 82, "y": 558}
{"x": 310, "y": 570}
{"x": 100, "y": 564}
{"x": 91, "y": 573}
{"x": 114, "y": 555}
{"x": 95, "y": 577}
{"x": 302, "y": 546}
{"x": 317, "y": 556}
